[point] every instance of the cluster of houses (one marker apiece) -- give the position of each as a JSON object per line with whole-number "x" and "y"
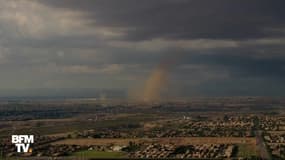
{"x": 274, "y": 136}
{"x": 189, "y": 151}
{"x": 272, "y": 123}
{"x": 57, "y": 150}
{"x": 276, "y": 144}
{"x": 239, "y": 126}
{"x": 187, "y": 127}
{"x": 230, "y": 126}
{"x": 277, "y": 150}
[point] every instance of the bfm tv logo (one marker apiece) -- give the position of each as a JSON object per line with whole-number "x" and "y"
{"x": 22, "y": 142}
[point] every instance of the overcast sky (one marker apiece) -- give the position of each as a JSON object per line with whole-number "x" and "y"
{"x": 220, "y": 47}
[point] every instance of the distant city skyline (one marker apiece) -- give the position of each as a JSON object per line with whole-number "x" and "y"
{"x": 206, "y": 48}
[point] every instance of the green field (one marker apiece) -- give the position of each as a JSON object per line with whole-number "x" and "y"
{"x": 246, "y": 151}
{"x": 99, "y": 154}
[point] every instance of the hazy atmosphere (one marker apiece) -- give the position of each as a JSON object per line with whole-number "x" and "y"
{"x": 124, "y": 48}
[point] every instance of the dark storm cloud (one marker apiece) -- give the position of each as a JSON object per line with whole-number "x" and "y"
{"x": 66, "y": 41}
{"x": 184, "y": 19}
{"x": 219, "y": 47}
{"x": 231, "y": 75}
{"x": 244, "y": 66}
